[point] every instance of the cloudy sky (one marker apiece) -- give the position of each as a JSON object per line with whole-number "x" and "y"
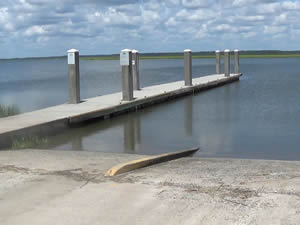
{"x": 50, "y": 27}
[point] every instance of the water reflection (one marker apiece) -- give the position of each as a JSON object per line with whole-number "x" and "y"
{"x": 257, "y": 117}
{"x": 132, "y": 134}
{"x": 216, "y": 126}
{"x": 77, "y": 144}
{"x": 188, "y": 116}
{"x": 35, "y": 79}
{"x": 126, "y": 132}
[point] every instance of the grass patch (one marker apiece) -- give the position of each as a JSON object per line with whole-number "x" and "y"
{"x": 101, "y": 58}
{"x": 29, "y": 142}
{"x": 8, "y": 110}
{"x": 272, "y": 56}
{"x": 177, "y": 56}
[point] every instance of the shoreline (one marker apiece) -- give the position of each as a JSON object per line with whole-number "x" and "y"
{"x": 146, "y": 56}
{"x": 102, "y": 58}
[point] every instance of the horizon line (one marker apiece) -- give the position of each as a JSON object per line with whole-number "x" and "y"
{"x": 142, "y": 53}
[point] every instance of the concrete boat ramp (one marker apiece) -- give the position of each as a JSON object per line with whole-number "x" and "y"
{"x": 39, "y": 187}
{"x": 56, "y": 118}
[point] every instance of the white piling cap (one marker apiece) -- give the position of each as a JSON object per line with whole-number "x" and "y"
{"x": 73, "y": 50}
{"x": 226, "y": 50}
{"x": 126, "y": 50}
{"x": 217, "y": 51}
{"x": 236, "y": 50}
{"x": 187, "y": 50}
{"x": 135, "y": 51}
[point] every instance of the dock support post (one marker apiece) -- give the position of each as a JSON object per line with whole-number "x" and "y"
{"x": 74, "y": 77}
{"x": 236, "y": 61}
{"x": 135, "y": 69}
{"x": 218, "y": 62}
{"x": 127, "y": 83}
{"x": 188, "y": 67}
{"x": 227, "y": 63}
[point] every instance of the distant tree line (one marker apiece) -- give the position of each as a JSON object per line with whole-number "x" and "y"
{"x": 205, "y": 53}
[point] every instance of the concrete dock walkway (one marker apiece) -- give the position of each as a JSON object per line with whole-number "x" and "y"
{"x": 101, "y": 107}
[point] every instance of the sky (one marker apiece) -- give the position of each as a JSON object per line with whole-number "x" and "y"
{"x": 33, "y": 28}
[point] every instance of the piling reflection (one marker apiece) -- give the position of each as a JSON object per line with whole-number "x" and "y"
{"x": 188, "y": 116}
{"x": 207, "y": 120}
{"x": 228, "y": 120}
{"x": 132, "y": 133}
{"x": 102, "y": 135}
{"x": 216, "y": 132}
{"x": 77, "y": 143}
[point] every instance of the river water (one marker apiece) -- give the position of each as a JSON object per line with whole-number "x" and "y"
{"x": 257, "y": 117}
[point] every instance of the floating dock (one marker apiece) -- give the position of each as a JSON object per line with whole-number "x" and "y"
{"x": 53, "y": 119}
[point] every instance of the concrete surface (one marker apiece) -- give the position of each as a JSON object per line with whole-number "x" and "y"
{"x": 227, "y": 62}
{"x": 68, "y": 188}
{"x": 218, "y": 62}
{"x": 57, "y": 117}
{"x": 74, "y": 76}
{"x": 188, "y": 75}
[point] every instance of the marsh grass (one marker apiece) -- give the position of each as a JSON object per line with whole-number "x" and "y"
{"x": 195, "y": 56}
{"x": 29, "y": 142}
{"x": 8, "y": 110}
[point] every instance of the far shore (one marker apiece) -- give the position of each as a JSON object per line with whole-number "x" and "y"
{"x": 178, "y": 55}
{"x": 116, "y": 57}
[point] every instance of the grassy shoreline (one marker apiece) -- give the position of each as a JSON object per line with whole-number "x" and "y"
{"x": 115, "y": 57}
{"x": 8, "y": 110}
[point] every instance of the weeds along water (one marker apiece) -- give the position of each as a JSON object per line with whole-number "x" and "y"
{"x": 26, "y": 142}
{"x": 8, "y": 110}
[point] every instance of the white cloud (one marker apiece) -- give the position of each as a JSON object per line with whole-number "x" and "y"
{"x": 146, "y": 23}
{"x": 35, "y": 30}
{"x": 248, "y": 3}
{"x": 274, "y": 29}
{"x": 202, "y": 33}
{"x": 197, "y": 3}
{"x": 249, "y": 34}
{"x": 268, "y": 8}
{"x": 4, "y": 15}
{"x": 281, "y": 19}
{"x": 289, "y": 5}
{"x": 252, "y": 18}
{"x": 5, "y": 20}
{"x": 197, "y": 15}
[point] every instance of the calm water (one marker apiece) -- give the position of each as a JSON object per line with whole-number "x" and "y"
{"x": 258, "y": 117}
{"x": 38, "y": 83}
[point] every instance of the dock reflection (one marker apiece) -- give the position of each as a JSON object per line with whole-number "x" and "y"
{"x": 123, "y": 133}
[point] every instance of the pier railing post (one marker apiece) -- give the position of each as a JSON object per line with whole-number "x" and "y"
{"x": 188, "y": 67}
{"x": 218, "y": 62}
{"x": 135, "y": 69}
{"x": 236, "y": 61}
{"x": 227, "y": 63}
{"x": 74, "y": 77}
{"x": 127, "y": 83}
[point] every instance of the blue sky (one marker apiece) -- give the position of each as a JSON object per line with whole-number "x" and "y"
{"x": 51, "y": 27}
